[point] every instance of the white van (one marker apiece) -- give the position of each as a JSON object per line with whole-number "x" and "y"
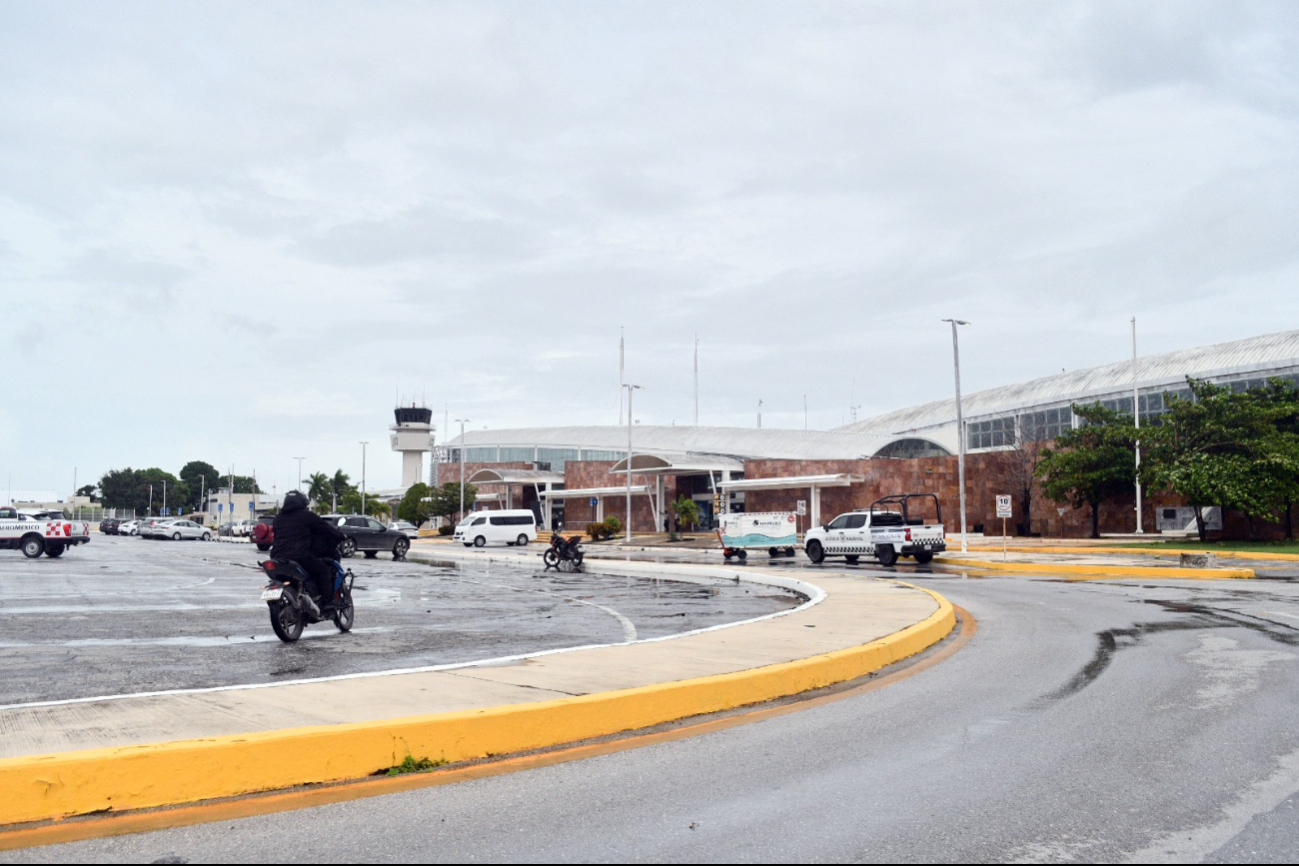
{"x": 511, "y": 527}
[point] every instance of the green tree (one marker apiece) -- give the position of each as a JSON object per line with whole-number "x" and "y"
{"x": 198, "y": 477}
{"x": 1235, "y": 449}
{"x": 445, "y": 500}
{"x": 319, "y": 488}
{"x": 686, "y": 512}
{"x": 415, "y": 505}
{"x": 350, "y": 503}
{"x": 1092, "y": 463}
{"x": 143, "y": 490}
{"x": 90, "y": 491}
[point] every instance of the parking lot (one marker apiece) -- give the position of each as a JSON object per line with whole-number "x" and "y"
{"x": 125, "y": 615}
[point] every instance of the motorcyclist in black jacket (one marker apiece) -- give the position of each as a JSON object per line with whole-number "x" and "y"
{"x": 304, "y": 537}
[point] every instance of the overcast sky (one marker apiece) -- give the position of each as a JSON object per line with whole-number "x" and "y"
{"x": 236, "y": 231}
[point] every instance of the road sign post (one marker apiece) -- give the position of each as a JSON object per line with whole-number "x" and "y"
{"x": 1003, "y": 511}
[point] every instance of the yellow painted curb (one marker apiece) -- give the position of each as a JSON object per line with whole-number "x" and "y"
{"x": 1172, "y": 551}
{"x": 58, "y": 785}
{"x": 1102, "y": 572}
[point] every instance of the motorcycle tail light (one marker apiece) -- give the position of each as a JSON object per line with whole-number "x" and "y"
{"x": 269, "y": 566}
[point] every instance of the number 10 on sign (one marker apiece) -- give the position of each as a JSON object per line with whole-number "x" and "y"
{"x": 1003, "y": 511}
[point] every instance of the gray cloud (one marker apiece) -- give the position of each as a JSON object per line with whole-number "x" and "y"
{"x": 293, "y": 206}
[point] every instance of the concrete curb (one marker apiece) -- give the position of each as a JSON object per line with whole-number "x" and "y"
{"x": 52, "y": 786}
{"x": 1172, "y": 551}
{"x": 1103, "y": 572}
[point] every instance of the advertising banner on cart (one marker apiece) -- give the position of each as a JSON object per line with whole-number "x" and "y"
{"x": 764, "y": 529}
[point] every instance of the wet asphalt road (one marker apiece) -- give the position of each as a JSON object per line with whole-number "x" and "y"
{"x": 1098, "y": 722}
{"x": 125, "y": 615}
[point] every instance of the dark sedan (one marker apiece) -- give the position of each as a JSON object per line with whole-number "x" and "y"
{"x": 369, "y": 536}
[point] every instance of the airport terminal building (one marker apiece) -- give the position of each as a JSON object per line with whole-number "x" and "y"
{"x": 575, "y": 475}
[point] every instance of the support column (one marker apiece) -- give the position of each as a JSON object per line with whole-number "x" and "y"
{"x": 816, "y": 507}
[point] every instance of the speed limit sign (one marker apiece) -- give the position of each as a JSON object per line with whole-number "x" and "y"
{"x": 1003, "y": 506}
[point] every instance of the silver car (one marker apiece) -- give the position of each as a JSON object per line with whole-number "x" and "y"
{"x": 181, "y": 530}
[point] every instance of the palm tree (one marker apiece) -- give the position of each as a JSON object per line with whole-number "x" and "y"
{"x": 320, "y": 487}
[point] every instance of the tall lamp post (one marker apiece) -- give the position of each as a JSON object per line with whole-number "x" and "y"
{"x": 299, "y": 459}
{"x": 363, "y": 444}
{"x": 631, "y": 389}
{"x": 960, "y": 426}
{"x": 1136, "y": 420}
{"x": 462, "y": 422}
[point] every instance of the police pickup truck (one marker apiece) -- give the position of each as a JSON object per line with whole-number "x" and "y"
{"x": 34, "y": 537}
{"x": 885, "y": 531}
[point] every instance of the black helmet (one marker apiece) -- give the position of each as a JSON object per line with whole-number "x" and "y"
{"x": 295, "y": 499}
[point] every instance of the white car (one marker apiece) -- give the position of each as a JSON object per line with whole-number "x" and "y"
{"x": 410, "y": 529}
{"x": 178, "y": 529}
{"x": 129, "y": 527}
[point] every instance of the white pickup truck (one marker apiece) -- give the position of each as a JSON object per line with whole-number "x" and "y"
{"x": 34, "y": 537}
{"x": 885, "y": 531}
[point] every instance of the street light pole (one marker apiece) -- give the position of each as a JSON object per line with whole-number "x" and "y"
{"x": 299, "y": 459}
{"x": 631, "y": 389}
{"x": 960, "y": 427}
{"x": 1136, "y": 420}
{"x": 363, "y": 444}
{"x": 462, "y": 422}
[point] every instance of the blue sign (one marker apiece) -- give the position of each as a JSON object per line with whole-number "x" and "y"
{"x": 250, "y": 505}
{"x": 594, "y": 502}
{"x": 221, "y": 506}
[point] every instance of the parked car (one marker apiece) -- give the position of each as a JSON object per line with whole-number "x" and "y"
{"x": 404, "y": 526}
{"x": 109, "y": 525}
{"x": 369, "y": 536}
{"x": 511, "y": 527}
{"x": 128, "y": 527}
{"x": 148, "y": 524}
{"x": 181, "y": 530}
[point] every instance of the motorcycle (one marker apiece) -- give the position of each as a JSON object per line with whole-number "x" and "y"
{"x": 564, "y": 554}
{"x": 292, "y": 606}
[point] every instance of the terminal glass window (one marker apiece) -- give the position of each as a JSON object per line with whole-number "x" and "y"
{"x": 592, "y": 454}
{"x": 1044, "y": 425}
{"x": 993, "y": 433}
{"x": 481, "y": 455}
{"x": 911, "y": 448}
{"x": 556, "y": 457}
{"x": 518, "y": 455}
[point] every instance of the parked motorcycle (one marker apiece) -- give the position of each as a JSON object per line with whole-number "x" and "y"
{"x": 291, "y": 604}
{"x": 564, "y": 554}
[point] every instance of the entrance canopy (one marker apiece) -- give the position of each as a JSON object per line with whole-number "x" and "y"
{"x": 515, "y": 476}
{"x": 595, "y": 492}
{"x": 814, "y": 483}
{"x": 681, "y": 464}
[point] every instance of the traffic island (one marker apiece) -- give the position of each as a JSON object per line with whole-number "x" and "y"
{"x": 170, "y": 749}
{"x": 1088, "y": 564}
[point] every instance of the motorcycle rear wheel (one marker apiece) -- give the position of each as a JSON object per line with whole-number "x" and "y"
{"x": 346, "y": 614}
{"x": 286, "y": 620}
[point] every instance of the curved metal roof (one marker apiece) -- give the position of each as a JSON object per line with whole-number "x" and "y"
{"x": 1272, "y": 352}
{"x": 733, "y": 442}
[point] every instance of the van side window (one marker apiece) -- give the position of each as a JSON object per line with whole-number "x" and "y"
{"x": 499, "y": 521}
{"x": 480, "y": 521}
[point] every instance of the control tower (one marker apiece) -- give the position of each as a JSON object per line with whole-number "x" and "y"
{"x": 412, "y": 435}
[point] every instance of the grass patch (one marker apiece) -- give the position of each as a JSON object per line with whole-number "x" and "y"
{"x": 1210, "y": 546}
{"x": 411, "y": 764}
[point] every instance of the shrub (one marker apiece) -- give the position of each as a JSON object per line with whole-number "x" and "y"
{"x": 446, "y": 530}
{"x": 614, "y": 525}
{"x": 595, "y": 530}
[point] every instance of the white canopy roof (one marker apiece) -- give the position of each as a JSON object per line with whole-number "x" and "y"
{"x": 681, "y": 464}
{"x": 592, "y": 491}
{"x": 843, "y": 479}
